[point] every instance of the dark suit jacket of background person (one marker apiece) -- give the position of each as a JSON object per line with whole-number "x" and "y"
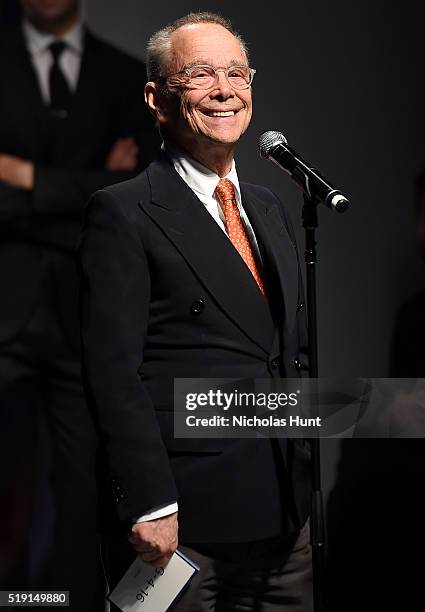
{"x": 165, "y": 294}
{"x": 39, "y": 229}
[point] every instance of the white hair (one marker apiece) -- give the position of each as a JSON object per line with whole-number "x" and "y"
{"x": 159, "y": 44}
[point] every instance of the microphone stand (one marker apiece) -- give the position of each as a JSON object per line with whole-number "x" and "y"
{"x": 310, "y": 223}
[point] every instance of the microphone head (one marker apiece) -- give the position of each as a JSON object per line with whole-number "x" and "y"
{"x": 268, "y": 140}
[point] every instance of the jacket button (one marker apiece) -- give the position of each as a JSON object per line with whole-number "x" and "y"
{"x": 299, "y": 306}
{"x": 297, "y": 364}
{"x": 274, "y": 364}
{"x": 197, "y": 307}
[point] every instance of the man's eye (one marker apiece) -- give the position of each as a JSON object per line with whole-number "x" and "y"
{"x": 238, "y": 73}
{"x": 200, "y": 73}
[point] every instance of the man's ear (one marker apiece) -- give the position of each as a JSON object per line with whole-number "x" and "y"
{"x": 155, "y": 102}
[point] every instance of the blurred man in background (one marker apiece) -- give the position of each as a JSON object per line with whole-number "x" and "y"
{"x": 72, "y": 120}
{"x": 9, "y": 13}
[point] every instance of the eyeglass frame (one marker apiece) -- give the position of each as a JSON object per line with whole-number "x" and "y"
{"x": 187, "y": 71}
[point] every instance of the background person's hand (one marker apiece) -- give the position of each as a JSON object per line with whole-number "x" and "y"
{"x": 16, "y": 172}
{"x": 123, "y": 155}
{"x": 155, "y": 541}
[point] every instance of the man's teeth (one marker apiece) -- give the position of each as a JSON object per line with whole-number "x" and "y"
{"x": 223, "y": 114}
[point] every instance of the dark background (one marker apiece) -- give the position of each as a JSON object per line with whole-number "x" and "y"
{"x": 343, "y": 82}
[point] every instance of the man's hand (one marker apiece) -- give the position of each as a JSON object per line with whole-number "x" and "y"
{"x": 155, "y": 540}
{"x": 16, "y": 172}
{"x": 123, "y": 155}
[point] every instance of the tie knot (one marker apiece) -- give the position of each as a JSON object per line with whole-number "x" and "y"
{"x": 56, "y": 49}
{"x": 225, "y": 190}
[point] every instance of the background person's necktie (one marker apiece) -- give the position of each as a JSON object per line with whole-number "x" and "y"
{"x": 225, "y": 191}
{"x": 60, "y": 98}
{"x": 60, "y": 93}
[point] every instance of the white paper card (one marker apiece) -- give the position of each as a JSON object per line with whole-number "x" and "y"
{"x": 144, "y": 588}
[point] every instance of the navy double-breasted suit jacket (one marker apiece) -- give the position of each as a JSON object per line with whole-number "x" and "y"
{"x": 164, "y": 294}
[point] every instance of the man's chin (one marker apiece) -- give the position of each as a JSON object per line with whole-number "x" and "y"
{"x": 222, "y": 139}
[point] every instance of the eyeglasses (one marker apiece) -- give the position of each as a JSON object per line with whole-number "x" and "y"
{"x": 205, "y": 77}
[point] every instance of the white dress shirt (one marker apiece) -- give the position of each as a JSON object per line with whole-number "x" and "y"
{"x": 70, "y": 59}
{"x": 203, "y": 183}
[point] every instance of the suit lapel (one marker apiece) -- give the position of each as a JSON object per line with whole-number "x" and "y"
{"x": 208, "y": 251}
{"x": 277, "y": 249}
{"x": 86, "y": 98}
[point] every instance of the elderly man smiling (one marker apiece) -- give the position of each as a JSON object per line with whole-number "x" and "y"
{"x": 185, "y": 273}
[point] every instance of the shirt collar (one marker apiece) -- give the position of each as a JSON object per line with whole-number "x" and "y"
{"x": 38, "y": 41}
{"x": 200, "y": 179}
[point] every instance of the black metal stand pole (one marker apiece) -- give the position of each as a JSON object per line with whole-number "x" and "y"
{"x": 310, "y": 223}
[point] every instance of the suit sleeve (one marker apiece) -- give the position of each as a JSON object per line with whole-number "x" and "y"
{"x": 66, "y": 191}
{"x": 59, "y": 190}
{"x": 114, "y": 299}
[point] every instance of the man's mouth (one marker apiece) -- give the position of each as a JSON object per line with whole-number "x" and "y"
{"x": 212, "y": 113}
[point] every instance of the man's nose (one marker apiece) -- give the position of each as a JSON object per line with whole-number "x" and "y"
{"x": 222, "y": 87}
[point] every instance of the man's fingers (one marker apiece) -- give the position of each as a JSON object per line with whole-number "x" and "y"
{"x": 123, "y": 155}
{"x": 123, "y": 145}
{"x": 128, "y": 145}
{"x": 16, "y": 172}
{"x": 143, "y": 547}
{"x": 151, "y": 556}
{"x": 159, "y": 561}
{"x": 129, "y": 152}
{"x": 126, "y": 141}
{"x": 150, "y": 552}
{"x": 125, "y": 150}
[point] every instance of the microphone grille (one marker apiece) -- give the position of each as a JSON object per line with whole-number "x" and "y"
{"x": 268, "y": 140}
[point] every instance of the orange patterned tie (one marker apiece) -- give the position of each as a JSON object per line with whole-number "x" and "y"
{"x": 225, "y": 192}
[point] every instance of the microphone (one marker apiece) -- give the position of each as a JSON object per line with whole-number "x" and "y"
{"x": 274, "y": 146}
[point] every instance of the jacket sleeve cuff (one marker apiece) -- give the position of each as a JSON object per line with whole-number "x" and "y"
{"x": 158, "y": 512}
